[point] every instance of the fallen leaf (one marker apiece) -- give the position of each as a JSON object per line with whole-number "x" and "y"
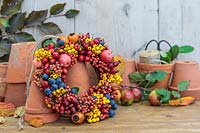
{"x": 2, "y": 120}
{"x": 19, "y": 111}
{"x": 184, "y": 101}
{"x": 36, "y": 122}
{"x": 7, "y": 109}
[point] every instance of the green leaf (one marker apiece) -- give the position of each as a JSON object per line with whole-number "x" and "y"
{"x": 164, "y": 95}
{"x": 173, "y": 52}
{"x": 36, "y": 18}
{"x": 150, "y": 78}
{"x": 71, "y": 13}
{"x": 165, "y": 99}
{"x": 3, "y": 52}
{"x": 163, "y": 54}
{"x": 10, "y": 7}
{"x": 162, "y": 91}
{"x": 186, "y": 49}
{"x": 76, "y": 88}
{"x": 183, "y": 85}
{"x": 5, "y": 46}
{"x": 157, "y": 75}
{"x": 176, "y": 94}
{"x": 57, "y": 8}
{"x": 50, "y": 28}
{"x": 136, "y": 77}
{"x": 4, "y": 22}
{"x": 23, "y": 37}
{"x": 16, "y": 22}
{"x": 5, "y": 58}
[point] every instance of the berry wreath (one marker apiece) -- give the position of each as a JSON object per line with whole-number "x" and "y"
{"x": 52, "y": 61}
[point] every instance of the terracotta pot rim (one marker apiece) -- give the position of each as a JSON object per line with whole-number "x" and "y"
{"x": 37, "y": 111}
{"x": 189, "y": 89}
{"x": 4, "y": 63}
{"x": 161, "y": 65}
{"x": 186, "y": 62}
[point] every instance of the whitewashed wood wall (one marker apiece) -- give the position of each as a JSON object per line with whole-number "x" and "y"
{"x": 128, "y": 24}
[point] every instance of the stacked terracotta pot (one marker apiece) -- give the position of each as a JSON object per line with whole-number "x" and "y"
{"x": 187, "y": 70}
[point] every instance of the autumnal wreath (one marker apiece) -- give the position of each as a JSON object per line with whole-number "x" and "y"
{"x": 52, "y": 61}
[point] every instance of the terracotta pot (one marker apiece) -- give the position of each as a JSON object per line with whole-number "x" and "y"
{"x": 142, "y": 67}
{"x": 16, "y": 74}
{"x": 92, "y": 74}
{"x": 187, "y": 70}
{"x": 128, "y": 68}
{"x": 3, "y": 84}
{"x": 35, "y": 106}
{"x": 77, "y": 76}
{"x": 16, "y": 94}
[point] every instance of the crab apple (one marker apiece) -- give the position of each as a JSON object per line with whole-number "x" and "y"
{"x": 137, "y": 94}
{"x": 96, "y": 41}
{"x": 45, "y": 84}
{"x": 45, "y": 60}
{"x": 89, "y": 53}
{"x": 77, "y": 46}
{"x": 154, "y": 98}
{"x": 51, "y": 45}
{"x": 82, "y": 52}
{"x": 37, "y": 64}
{"x": 81, "y": 58}
{"x": 51, "y": 50}
{"x": 55, "y": 55}
{"x": 87, "y": 58}
{"x": 52, "y": 61}
{"x": 106, "y": 56}
{"x": 65, "y": 60}
{"x": 127, "y": 97}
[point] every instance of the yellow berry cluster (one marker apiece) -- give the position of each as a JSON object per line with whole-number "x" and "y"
{"x": 54, "y": 75}
{"x": 112, "y": 78}
{"x": 59, "y": 92}
{"x": 96, "y": 49}
{"x": 94, "y": 116}
{"x": 101, "y": 97}
{"x": 42, "y": 53}
{"x": 87, "y": 40}
{"x": 70, "y": 49}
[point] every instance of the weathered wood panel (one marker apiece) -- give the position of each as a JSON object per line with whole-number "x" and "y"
{"x": 66, "y": 25}
{"x": 180, "y": 24}
{"x": 125, "y": 25}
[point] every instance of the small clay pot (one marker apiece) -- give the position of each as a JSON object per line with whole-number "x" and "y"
{"x": 128, "y": 68}
{"x": 187, "y": 70}
{"x": 148, "y": 68}
{"x": 77, "y": 76}
{"x": 36, "y": 107}
{"x": 3, "y": 84}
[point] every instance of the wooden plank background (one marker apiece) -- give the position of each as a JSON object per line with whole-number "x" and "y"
{"x": 128, "y": 24}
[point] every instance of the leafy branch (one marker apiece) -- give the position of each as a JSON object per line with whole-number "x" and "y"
{"x": 147, "y": 80}
{"x": 12, "y": 23}
{"x": 167, "y": 95}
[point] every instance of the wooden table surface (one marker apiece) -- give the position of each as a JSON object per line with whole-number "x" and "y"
{"x": 136, "y": 118}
